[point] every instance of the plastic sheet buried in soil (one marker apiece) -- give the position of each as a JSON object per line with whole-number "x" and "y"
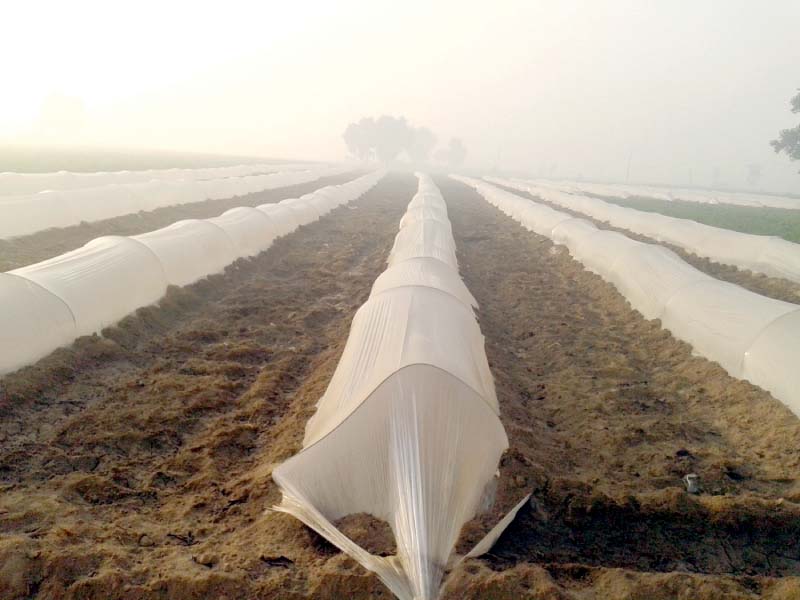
{"x": 408, "y": 430}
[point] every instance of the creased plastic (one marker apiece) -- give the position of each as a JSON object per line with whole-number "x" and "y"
{"x": 408, "y": 428}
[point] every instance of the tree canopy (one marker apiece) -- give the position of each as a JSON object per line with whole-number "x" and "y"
{"x": 386, "y": 138}
{"x": 788, "y": 140}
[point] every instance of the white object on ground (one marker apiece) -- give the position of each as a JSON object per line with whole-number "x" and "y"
{"x": 27, "y": 214}
{"x": 765, "y": 254}
{"x": 408, "y": 428}
{"x": 51, "y": 303}
{"x": 751, "y": 336}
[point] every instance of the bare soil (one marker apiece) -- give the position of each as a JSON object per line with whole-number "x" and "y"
{"x": 606, "y": 412}
{"x": 28, "y": 249}
{"x": 138, "y": 465}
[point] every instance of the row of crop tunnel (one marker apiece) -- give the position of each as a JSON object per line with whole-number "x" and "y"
{"x": 51, "y": 303}
{"x": 408, "y": 430}
{"x": 751, "y": 336}
{"x": 116, "y": 194}
{"x": 767, "y": 254}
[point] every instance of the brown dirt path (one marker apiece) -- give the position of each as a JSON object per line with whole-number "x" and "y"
{"x": 138, "y": 465}
{"x": 772, "y": 287}
{"x": 28, "y": 249}
{"x": 605, "y": 413}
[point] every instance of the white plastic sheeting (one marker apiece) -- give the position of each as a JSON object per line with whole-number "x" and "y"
{"x": 34, "y": 322}
{"x": 408, "y": 429}
{"x": 751, "y": 336}
{"x": 190, "y": 250}
{"x": 251, "y": 230}
{"x": 769, "y": 255}
{"x": 424, "y": 271}
{"x": 26, "y": 214}
{"x": 30, "y": 183}
{"x": 49, "y": 304}
{"x": 669, "y": 194}
{"x": 102, "y": 281}
{"x": 424, "y": 238}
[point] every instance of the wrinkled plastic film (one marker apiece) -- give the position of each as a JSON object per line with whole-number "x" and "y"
{"x": 408, "y": 429}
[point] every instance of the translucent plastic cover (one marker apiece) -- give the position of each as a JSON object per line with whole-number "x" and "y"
{"x": 759, "y": 253}
{"x": 28, "y": 213}
{"x": 671, "y": 193}
{"x": 83, "y": 291}
{"x": 102, "y": 281}
{"x": 190, "y": 250}
{"x": 753, "y": 337}
{"x": 12, "y": 184}
{"x": 408, "y": 429}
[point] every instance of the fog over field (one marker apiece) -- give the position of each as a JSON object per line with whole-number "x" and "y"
{"x": 685, "y": 93}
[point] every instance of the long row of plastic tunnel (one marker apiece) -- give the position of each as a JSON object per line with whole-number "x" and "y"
{"x": 15, "y": 184}
{"x": 51, "y": 303}
{"x": 408, "y": 428}
{"x": 670, "y": 194}
{"x": 75, "y": 203}
{"x": 751, "y": 336}
{"x": 770, "y": 255}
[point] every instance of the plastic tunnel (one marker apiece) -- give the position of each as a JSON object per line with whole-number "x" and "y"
{"x": 51, "y": 303}
{"x": 769, "y": 255}
{"x": 28, "y": 213}
{"x": 408, "y": 429}
{"x": 751, "y": 336}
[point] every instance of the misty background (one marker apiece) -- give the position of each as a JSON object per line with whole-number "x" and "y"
{"x": 685, "y": 93}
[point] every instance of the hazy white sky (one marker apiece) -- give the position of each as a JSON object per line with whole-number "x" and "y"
{"x": 565, "y": 87}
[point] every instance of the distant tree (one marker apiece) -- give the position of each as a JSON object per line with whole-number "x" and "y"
{"x": 392, "y": 136}
{"x": 457, "y": 152}
{"x": 422, "y": 143}
{"x": 386, "y": 137}
{"x": 453, "y": 155}
{"x": 789, "y": 139}
{"x": 754, "y": 173}
{"x": 359, "y": 138}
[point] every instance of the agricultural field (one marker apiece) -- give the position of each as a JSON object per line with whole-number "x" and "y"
{"x": 137, "y": 464}
{"x": 38, "y": 159}
{"x": 400, "y": 300}
{"x": 784, "y": 223}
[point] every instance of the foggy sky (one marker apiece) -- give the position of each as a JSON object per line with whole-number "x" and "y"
{"x": 561, "y": 88}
